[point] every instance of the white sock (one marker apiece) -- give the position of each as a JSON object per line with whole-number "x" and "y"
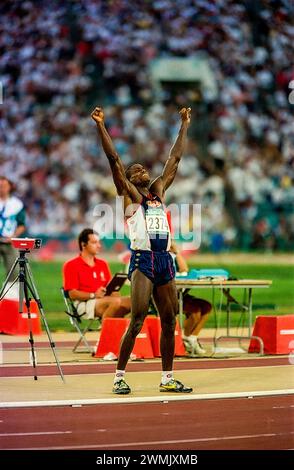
{"x": 166, "y": 376}
{"x": 119, "y": 374}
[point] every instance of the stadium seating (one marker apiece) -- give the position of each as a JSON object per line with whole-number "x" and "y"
{"x": 239, "y": 159}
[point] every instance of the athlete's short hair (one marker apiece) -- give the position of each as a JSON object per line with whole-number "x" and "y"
{"x": 127, "y": 170}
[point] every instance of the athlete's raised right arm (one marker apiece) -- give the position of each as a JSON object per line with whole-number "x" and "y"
{"x": 118, "y": 172}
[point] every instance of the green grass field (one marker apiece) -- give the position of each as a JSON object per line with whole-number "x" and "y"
{"x": 276, "y": 300}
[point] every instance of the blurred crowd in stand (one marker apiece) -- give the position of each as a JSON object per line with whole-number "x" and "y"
{"x": 59, "y": 59}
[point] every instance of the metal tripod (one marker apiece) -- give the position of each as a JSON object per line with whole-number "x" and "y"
{"x": 26, "y": 287}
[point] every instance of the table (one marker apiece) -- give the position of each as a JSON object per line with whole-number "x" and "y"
{"x": 225, "y": 286}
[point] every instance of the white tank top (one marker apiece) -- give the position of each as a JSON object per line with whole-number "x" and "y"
{"x": 148, "y": 226}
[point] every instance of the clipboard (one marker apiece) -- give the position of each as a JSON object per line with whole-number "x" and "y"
{"x": 116, "y": 283}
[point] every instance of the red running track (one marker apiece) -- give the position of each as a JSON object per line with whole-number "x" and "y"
{"x": 99, "y": 367}
{"x": 244, "y": 424}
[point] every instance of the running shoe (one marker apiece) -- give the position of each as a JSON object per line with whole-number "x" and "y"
{"x": 121, "y": 388}
{"x": 174, "y": 386}
{"x": 197, "y": 349}
{"x": 194, "y": 348}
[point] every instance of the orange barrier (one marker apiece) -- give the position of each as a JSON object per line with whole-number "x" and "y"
{"x": 143, "y": 346}
{"x": 110, "y": 337}
{"x": 14, "y": 323}
{"x": 277, "y": 332}
{"x": 155, "y": 332}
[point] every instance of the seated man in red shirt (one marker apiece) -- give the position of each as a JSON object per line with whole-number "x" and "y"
{"x": 85, "y": 278}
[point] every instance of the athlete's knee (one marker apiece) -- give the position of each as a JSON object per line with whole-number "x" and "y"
{"x": 168, "y": 326}
{"x": 136, "y": 326}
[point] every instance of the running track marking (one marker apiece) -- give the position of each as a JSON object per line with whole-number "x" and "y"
{"x": 145, "y": 443}
{"x": 24, "y": 370}
{"x": 12, "y": 434}
{"x": 162, "y": 398}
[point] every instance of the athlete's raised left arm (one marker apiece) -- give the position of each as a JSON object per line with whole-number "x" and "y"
{"x": 161, "y": 184}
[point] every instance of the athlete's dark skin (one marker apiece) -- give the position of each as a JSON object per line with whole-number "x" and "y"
{"x": 132, "y": 187}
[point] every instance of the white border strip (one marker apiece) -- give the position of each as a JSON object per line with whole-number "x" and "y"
{"x": 165, "y": 397}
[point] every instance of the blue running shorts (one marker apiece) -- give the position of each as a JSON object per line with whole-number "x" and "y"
{"x": 158, "y": 266}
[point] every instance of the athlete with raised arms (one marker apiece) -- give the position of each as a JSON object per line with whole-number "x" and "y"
{"x": 151, "y": 267}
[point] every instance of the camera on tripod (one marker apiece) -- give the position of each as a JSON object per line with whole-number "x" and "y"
{"x": 26, "y": 244}
{"x": 27, "y": 288}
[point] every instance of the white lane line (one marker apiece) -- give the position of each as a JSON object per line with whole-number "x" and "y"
{"x": 212, "y": 369}
{"x": 149, "y": 443}
{"x": 163, "y": 397}
{"x": 45, "y": 433}
{"x": 282, "y": 407}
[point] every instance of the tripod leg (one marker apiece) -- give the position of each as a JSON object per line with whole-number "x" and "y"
{"x": 25, "y": 295}
{"x": 36, "y": 297}
{"x": 22, "y": 278}
{"x": 3, "y": 293}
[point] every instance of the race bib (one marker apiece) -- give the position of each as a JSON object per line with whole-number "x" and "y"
{"x": 156, "y": 223}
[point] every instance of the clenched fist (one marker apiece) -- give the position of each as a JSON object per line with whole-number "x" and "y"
{"x": 185, "y": 115}
{"x": 98, "y": 115}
